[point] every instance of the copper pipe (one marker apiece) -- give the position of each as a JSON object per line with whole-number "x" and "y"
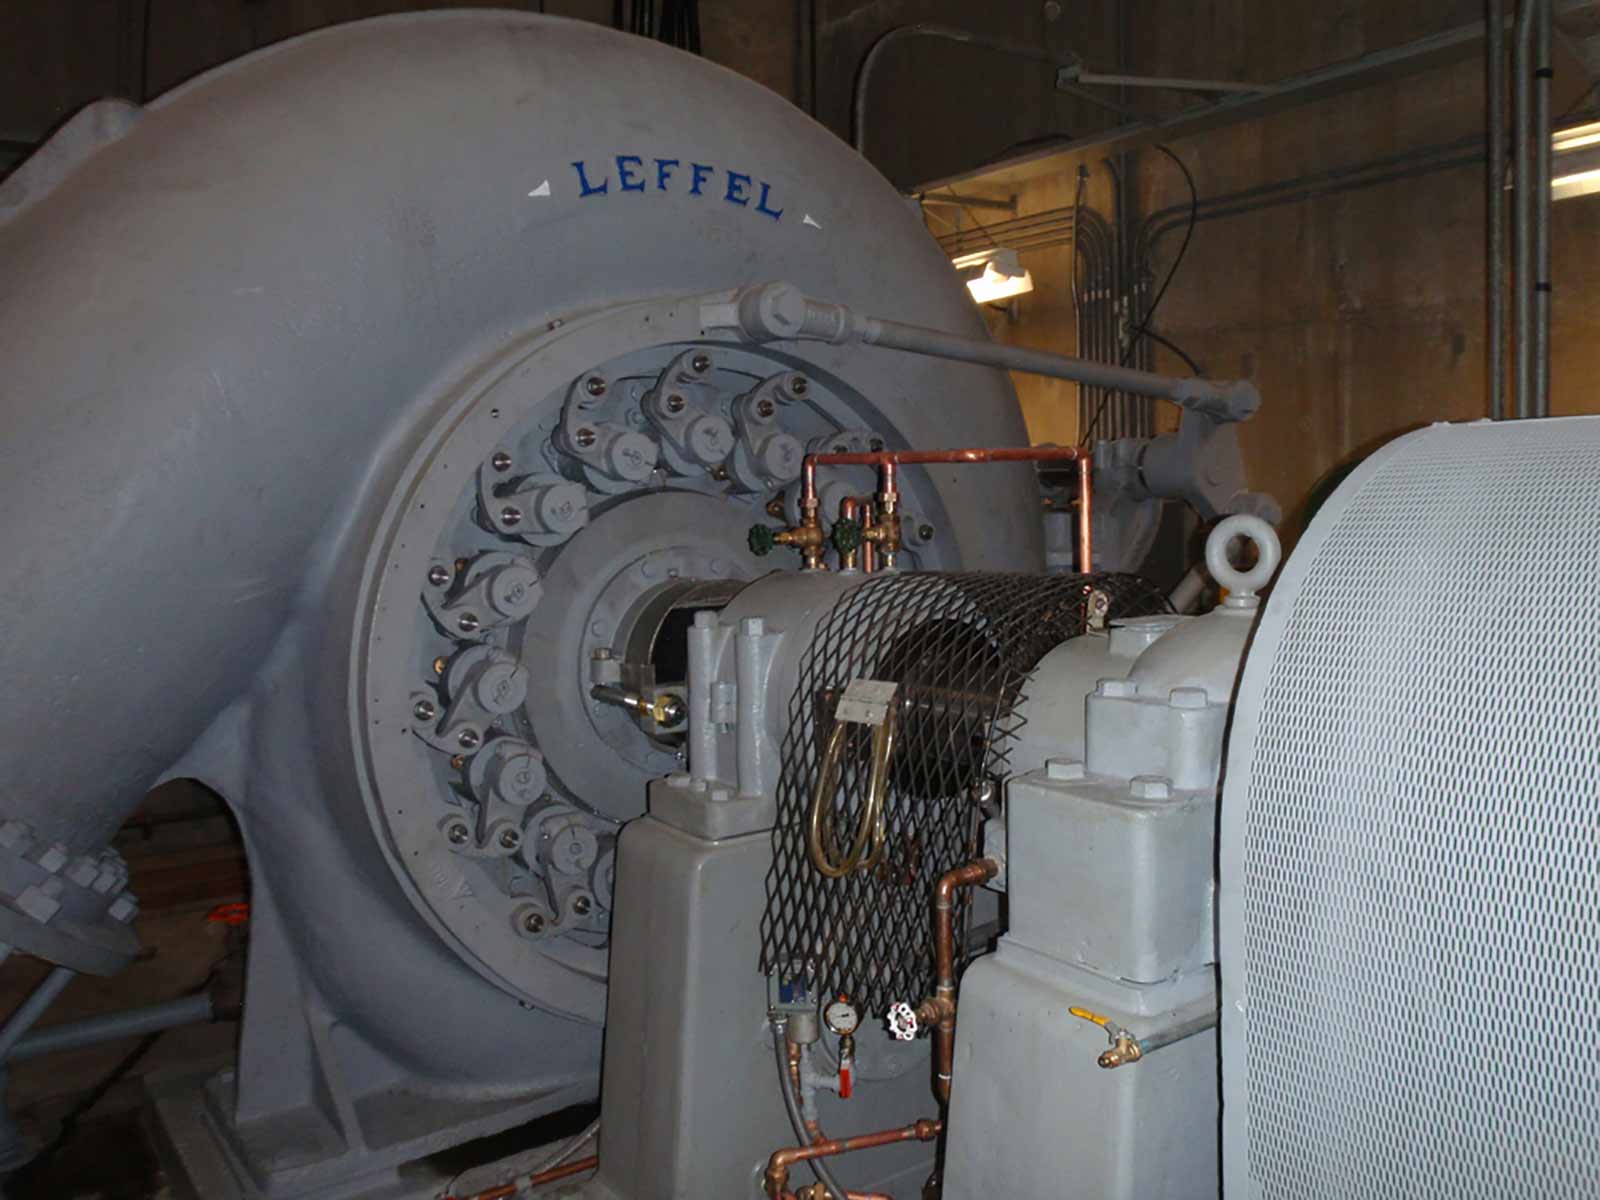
{"x": 1086, "y": 514}
{"x": 939, "y": 1010}
{"x": 968, "y": 454}
{"x": 814, "y": 1132}
{"x": 539, "y": 1180}
{"x": 782, "y": 1161}
{"x": 888, "y": 460}
{"x": 869, "y": 522}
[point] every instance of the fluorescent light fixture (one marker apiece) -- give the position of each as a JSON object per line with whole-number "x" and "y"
{"x": 995, "y": 274}
{"x": 1575, "y": 165}
{"x": 1575, "y": 137}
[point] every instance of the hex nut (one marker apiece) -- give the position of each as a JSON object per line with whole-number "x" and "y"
{"x": 53, "y": 857}
{"x": 83, "y": 871}
{"x": 123, "y": 909}
{"x": 1063, "y": 768}
{"x": 39, "y": 905}
{"x": 1188, "y": 697}
{"x": 1117, "y": 689}
{"x": 1150, "y": 787}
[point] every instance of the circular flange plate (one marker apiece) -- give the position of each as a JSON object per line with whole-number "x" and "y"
{"x": 596, "y": 749}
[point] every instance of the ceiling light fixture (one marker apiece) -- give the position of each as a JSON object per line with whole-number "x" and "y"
{"x": 994, "y": 274}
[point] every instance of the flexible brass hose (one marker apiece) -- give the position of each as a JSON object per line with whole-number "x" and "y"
{"x": 872, "y": 830}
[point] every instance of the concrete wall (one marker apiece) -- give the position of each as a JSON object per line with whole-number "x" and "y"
{"x": 1360, "y": 315}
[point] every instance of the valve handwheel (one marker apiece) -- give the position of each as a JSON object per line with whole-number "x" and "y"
{"x": 762, "y": 539}
{"x": 846, "y": 535}
{"x": 903, "y": 1024}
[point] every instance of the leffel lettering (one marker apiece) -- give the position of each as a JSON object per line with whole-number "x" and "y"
{"x": 633, "y": 175}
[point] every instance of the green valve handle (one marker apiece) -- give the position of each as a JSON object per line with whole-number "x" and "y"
{"x": 762, "y": 540}
{"x": 846, "y": 536}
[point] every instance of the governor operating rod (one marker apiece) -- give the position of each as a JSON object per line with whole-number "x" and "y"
{"x": 773, "y": 312}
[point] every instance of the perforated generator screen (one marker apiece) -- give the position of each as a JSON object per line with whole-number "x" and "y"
{"x": 1410, "y": 856}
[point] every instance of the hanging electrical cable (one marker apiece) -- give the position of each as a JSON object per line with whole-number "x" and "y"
{"x": 1149, "y": 314}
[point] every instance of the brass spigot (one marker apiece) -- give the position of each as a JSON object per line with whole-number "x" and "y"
{"x": 1124, "y": 1049}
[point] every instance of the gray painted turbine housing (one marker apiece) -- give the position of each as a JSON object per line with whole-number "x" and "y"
{"x": 271, "y": 315}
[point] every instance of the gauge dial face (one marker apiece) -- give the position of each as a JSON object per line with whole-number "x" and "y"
{"x": 841, "y": 1017}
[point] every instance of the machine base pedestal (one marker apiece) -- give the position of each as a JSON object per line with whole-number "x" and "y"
{"x": 206, "y": 1162}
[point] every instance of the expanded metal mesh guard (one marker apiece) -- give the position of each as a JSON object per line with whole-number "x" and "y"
{"x": 961, "y": 648}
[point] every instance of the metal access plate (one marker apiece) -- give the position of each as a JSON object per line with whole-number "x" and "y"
{"x": 866, "y": 701}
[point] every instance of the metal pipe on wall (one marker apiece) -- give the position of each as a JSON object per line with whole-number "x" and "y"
{"x": 1539, "y": 399}
{"x": 1522, "y": 201}
{"x": 1495, "y": 135}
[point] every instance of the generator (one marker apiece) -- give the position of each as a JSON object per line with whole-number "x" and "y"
{"x": 566, "y": 505}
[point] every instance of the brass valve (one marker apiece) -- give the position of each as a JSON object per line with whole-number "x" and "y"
{"x": 665, "y": 709}
{"x": 806, "y": 537}
{"x": 1124, "y": 1049}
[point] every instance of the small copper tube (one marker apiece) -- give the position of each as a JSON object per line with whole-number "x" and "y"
{"x": 1086, "y": 514}
{"x": 887, "y": 461}
{"x": 782, "y": 1161}
{"x": 869, "y": 549}
{"x": 528, "y": 1182}
{"x": 849, "y": 510}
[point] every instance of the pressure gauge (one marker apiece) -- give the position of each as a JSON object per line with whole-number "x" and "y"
{"x": 842, "y": 1017}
